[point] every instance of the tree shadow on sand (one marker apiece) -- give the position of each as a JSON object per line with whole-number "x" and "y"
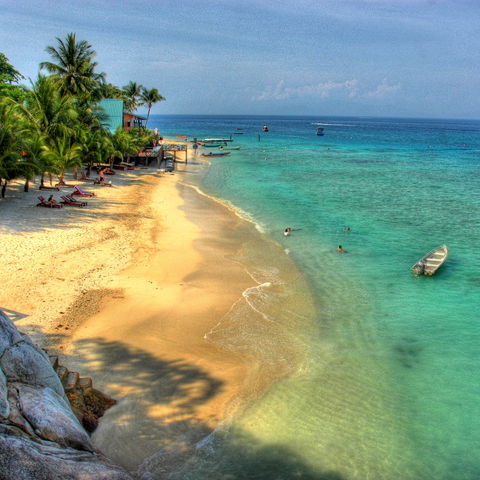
{"x": 154, "y": 429}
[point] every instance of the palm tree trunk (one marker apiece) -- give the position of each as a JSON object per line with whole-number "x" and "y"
{"x": 148, "y": 116}
{"x": 4, "y": 188}
{"x": 27, "y": 185}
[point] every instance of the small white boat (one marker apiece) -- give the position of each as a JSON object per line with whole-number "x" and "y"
{"x": 265, "y": 128}
{"x": 431, "y": 262}
{"x": 216, "y": 140}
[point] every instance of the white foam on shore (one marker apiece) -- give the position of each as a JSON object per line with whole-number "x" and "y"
{"x": 227, "y": 204}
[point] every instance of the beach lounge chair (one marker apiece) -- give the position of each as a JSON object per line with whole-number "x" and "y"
{"x": 63, "y": 184}
{"x": 78, "y": 191}
{"x": 66, "y": 200}
{"x": 71, "y": 198}
{"x": 45, "y": 203}
{"x": 44, "y": 187}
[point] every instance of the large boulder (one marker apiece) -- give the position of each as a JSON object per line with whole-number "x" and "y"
{"x": 24, "y": 362}
{"x": 51, "y": 417}
{"x": 21, "y": 459}
{"x": 40, "y": 437}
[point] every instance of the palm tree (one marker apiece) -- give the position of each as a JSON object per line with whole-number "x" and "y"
{"x": 74, "y": 69}
{"x": 47, "y": 112}
{"x": 108, "y": 90}
{"x": 11, "y": 142}
{"x": 63, "y": 154}
{"x": 36, "y": 163}
{"x": 149, "y": 98}
{"x": 124, "y": 143}
{"x": 133, "y": 92}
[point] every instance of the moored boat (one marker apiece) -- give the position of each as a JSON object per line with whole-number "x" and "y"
{"x": 230, "y": 148}
{"x": 320, "y": 131}
{"x": 431, "y": 262}
{"x": 216, "y": 140}
{"x": 215, "y": 154}
{"x": 265, "y": 128}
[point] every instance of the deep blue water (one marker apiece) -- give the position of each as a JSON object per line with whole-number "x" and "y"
{"x": 390, "y": 384}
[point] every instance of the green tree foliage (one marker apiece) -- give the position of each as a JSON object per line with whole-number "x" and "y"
{"x": 73, "y": 67}
{"x": 149, "y": 98}
{"x": 133, "y": 92}
{"x": 11, "y": 141}
{"x": 9, "y": 78}
{"x": 47, "y": 111}
{"x": 108, "y": 90}
{"x": 63, "y": 154}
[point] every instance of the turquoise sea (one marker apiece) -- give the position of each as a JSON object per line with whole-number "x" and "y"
{"x": 389, "y": 385}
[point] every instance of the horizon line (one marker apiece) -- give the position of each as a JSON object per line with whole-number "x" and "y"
{"x": 310, "y": 115}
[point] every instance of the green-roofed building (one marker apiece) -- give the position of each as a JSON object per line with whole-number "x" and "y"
{"x": 118, "y": 117}
{"x": 113, "y": 109}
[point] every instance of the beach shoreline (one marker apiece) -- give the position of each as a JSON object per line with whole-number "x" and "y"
{"x": 135, "y": 298}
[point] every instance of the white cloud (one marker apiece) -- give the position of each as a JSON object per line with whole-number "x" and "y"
{"x": 383, "y": 90}
{"x": 347, "y": 88}
{"x": 321, "y": 90}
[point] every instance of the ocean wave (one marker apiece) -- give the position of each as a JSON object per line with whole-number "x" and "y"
{"x": 233, "y": 208}
{"x": 333, "y": 124}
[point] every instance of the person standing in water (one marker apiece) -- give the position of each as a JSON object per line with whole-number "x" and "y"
{"x": 341, "y": 250}
{"x": 287, "y": 231}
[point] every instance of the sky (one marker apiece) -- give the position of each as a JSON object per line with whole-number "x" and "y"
{"x": 394, "y": 58}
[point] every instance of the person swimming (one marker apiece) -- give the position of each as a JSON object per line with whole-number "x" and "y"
{"x": 341, "y": 250}
{"x": 347, "y": 229}
{"x": 287, "y": 231}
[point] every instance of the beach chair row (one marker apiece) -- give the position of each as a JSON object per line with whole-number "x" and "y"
{"x": 72, "y": 199}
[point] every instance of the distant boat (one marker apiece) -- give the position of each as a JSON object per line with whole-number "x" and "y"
{"x": 216, "y": 140}
{"x": 238, "y": 133}
{"x": 229, "y": 148}
{"x": 320, "y": 131}
{"x": 265, "y": 128}
{"x": 215, "y": 154}
{"x": 213, "y": 145}
{"x": 431, "y": 262}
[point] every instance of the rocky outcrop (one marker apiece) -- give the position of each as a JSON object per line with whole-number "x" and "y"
{"x": 40, "y": 436}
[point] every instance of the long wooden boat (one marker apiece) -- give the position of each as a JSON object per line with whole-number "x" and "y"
{"x": 215, "y": 154}
{"x": 431, "y": 262}
{"x": 216, "y": 140}
{"x": 230, "y": 148}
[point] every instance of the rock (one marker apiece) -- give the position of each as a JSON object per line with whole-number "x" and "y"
{"x": 9, "y": 335}
{"x": 40, "y": 437}
{"x": 4, "y": 406}
{"x": 26, "y": 363}
{"x": 15, "y": 417}
{"x": 51, "y": 418}
{"x": 21, "y": 459}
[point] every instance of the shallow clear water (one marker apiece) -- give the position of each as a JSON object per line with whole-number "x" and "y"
{"x": 388, "y": 388}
